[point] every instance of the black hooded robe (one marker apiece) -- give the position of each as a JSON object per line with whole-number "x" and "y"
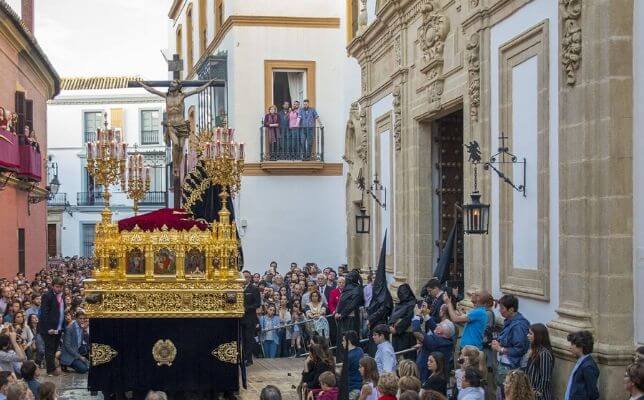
{"x": 351, "y": 299}
{"x": 400, "y": 319}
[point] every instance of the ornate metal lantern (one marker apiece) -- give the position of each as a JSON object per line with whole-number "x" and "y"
{"x": 476, "y": 216}
{"x": 363, "y": 222}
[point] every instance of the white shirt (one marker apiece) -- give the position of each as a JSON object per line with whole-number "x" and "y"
{"x": 385, "y": 357}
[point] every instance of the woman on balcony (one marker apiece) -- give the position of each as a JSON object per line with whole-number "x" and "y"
{"x": 271, "y": 129}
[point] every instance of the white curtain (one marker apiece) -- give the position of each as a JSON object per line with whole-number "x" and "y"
{"x": 296, "y": 86}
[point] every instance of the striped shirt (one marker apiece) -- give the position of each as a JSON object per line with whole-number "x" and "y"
{"x": 539, "y": 370}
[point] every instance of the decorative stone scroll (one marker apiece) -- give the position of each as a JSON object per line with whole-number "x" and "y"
{"x": 431, "y": 36}
{"x": 571, "y": 40}
{"x": 474, "y": 75}
{"x": 363, "y": 148}
{"x": 397, "y": 106}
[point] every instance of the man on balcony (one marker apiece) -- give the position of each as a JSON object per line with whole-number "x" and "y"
{"x": 308, "y": 117}
{"x": 284, "y": 133}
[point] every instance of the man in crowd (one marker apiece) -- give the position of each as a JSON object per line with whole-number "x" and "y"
{"x": 249, "y": 321}
{"x": 323, "y": 288}
{"x": 385, "y": 356}
{"x": 634, "y": 381}
{"x": 475, "y": 320}
{"x": 334, "y": 296}
{"x": 34, "y": 308}
{"x": 308, "y": 118}
{"x": 513, "y": 340}
{"x": 435, "y": 300}
{"x": 5, "y": 301}
{"x": 441, "y": 340}
{"x": 582, "y": 383}
{"x": 52, "y": 322}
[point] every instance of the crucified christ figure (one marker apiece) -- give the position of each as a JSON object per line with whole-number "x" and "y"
{"x": 177, "y": 128}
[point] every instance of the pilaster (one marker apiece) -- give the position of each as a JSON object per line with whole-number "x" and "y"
{"x": 595, "y": 185}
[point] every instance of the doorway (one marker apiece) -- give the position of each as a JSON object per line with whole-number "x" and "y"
{"x": 52, "y": 240}
{"x": 447, "y": 154}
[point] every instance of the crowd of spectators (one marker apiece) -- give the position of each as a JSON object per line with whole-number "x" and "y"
{"x": 430, "y": 347}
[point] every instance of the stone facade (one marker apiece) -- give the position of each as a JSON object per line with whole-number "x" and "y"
{"x": 435, "y": 57}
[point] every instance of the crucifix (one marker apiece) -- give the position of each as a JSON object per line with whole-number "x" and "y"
{"x": 177, "y": 128}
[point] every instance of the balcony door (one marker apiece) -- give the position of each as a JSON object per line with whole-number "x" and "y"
{"x": 52, "y": 240}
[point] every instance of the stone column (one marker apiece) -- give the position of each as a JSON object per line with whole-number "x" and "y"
{"x": 595, "y": 188}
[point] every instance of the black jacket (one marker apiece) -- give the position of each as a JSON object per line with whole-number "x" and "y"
{"x": 584, "y": 382}
{"x": 352, "y": 297}
{"x": 252, "y": 301}
{"x": 49, "y": 312}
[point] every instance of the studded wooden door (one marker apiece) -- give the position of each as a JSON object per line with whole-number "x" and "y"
{"x": 448, "y": 139}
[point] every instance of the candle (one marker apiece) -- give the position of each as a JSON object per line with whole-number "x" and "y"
{"x": 124, "y": 150}
{"x": 147, "y": 174}
{"x": 241, "y": 151}
{"x": 218, "y": 134}
{"x": 110, "y": 135}
{"x": 218, "y": 153}
{"x": 231, "y": 132}
{"x": 232, "y": 150}
{"x": 89, "y": 151}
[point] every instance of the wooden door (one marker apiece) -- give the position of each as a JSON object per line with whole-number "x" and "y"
{"x": 52, "y": 240}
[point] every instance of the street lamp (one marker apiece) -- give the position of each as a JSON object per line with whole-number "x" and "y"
{"x": 54, "y": 183}
{"x": 476, "y": 215}
{"x": 363, "y": 221}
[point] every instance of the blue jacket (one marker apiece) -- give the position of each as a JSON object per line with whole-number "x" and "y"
{"x": 71, "y": 343}
{"x": 514, "y": 338}
{"x": 355, "y": 379}
{"x": 584, "y": 381}
{"x": 432, "y": 343}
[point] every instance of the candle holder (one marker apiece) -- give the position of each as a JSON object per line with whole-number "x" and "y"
{"x": 138, "y": 179}
{"x": 106, "y": 163}
{"x": 224, "y": 162}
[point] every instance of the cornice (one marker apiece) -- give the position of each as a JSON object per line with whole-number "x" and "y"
{"x": 105, "y": 100}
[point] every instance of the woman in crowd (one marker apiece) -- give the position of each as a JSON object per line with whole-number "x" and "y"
{"x": 318, "y": 361}
{"x": 432, "y": 395}
{"x": 408, "y": 383}
{"x": 388, "y": 386}
{"x": 270, "y": 335}
{"x": 26, "y": 336}
{"x": 316, "y": 311}
{"x": 400, "y": 321}
{"x": 470, "y": 357}
{"x": 540, "y": 362}
{"x": 437, "y": 381}
{"x": 407, "y": 368}
{"x": 285, "y": 333}
{"x": 517, "y": 386}
{"x": 39, "y": 343}
{"x": 11, "y": 310}
{"x": 271, "y": 128}
{"x": 472, "y": 385}
{"x": 297, "y": 338}
{"x": 369, "y": 372}
{"x": 47, "y": 391}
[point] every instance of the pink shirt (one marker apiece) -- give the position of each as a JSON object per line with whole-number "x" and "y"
{"x": 293, "y": 119}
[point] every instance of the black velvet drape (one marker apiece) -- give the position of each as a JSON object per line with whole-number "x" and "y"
{"x": 194, "y": 368}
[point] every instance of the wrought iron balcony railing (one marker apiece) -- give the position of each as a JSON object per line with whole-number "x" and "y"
{"x": 89, "y": 198}
{"x": 292, "y": 144}
{"x": 58, "y": 200}
{"x": 153, "y": 198}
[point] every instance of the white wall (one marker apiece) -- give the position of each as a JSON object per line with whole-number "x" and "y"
{"x": 522, "y": 20}
{"x": 292, "y": 218}
{"x": 308, "y": 8}
{"x": 638, "y": 167}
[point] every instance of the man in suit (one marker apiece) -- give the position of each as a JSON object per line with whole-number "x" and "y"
{"x": 252, "y": 300}
{"x": 52, "y": 309}
{"x": 72, "y": 340}
{"x": 582, "y": 383}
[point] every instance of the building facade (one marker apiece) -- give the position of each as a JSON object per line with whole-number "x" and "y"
{"x": 291, "y": 207}
{"x": 28, "y": 80}
{"x": 74, "y": 115}
{"x": 558, "y": 84}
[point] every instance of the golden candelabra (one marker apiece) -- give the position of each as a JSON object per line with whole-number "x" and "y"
{"x": 138, "y": 179}
{"x": 106, "y": 163}
{"x": 224, "y": 161}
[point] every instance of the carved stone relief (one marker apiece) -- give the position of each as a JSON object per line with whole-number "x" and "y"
{"x": 362, "y": 18}
{"x": 571, "y": 40}
{"x": 398, "y": 51}
{"x": 397, "y": 106}
{"x": 433, "y": 32}
{"x": 363, "y": 148}
{"x": 474, "y": 75}
{"x": 363, "y": 79}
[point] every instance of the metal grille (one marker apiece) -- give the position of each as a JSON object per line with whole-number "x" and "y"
{"x": 150, "y": 125}
{"x": 449, "y": 188}
{"x": 91, "y": 121}
{"x": 87, "y": 239}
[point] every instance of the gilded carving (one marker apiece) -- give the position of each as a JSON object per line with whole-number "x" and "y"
{"x": 226, "y": 352}
{"x": 571, "y": 40}
{"x": 102, "y": 354}
{"x": 397, "y": 106}
{"x": 164, "y": 352}
{"x": 433, "y": 32}
{"x": 474, "y": 75}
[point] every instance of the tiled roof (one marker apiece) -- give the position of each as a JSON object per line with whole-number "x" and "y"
{"x": 97, "y": 82}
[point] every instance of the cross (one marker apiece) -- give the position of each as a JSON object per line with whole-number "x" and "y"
{"x": 503, "y": 147}
{"x": 175, "y": 66}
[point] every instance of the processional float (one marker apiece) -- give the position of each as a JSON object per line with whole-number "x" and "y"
{"x": 166, "y": 295}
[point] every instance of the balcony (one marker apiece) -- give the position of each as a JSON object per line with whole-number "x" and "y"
{"x": 89, "y": 198}
{"x": 153, "y": 199}
{"x": 20, "y": 156}
{"x": 293, "y": 150}
{"x": 59, "y": 200}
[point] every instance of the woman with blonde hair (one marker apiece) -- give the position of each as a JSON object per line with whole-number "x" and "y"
{"x": 470, "y": 357}
{"x": 517, "y": 386}
{"x": 369, "y": 371}
{"x": 407, "y": 368}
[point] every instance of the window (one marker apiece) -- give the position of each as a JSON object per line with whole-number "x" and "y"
{"x": 87, "y": 239}
{"x": 150, "y": 123}
{"x": 29, "y": 114}
{"x": 179, "y": 43}
{"x": 352, "y": 18}
{"x": 203, "y": 27}
{"x": 219, "y": 15}
{"x": 20, "y": 111}
{"x": 189, "y": 41}
{"x": 288, "y": 81}
{"x": 92, "y": 120}
{"x": 21, "y": 250}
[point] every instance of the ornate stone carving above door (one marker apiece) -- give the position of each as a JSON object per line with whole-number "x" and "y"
{"x": 474, "y": 75}
{"x": 433, "y": 32}
{"x": 571, "y": 38}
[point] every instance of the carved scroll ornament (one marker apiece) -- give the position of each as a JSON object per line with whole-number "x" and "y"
{"x": 397, "y": 105}
{"x": 433, "y": 32}
{"x": 474, "y": 75}
{"x": 571, "y": 40}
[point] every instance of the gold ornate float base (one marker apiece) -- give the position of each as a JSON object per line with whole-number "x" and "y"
{"x": 170, "y": 299}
